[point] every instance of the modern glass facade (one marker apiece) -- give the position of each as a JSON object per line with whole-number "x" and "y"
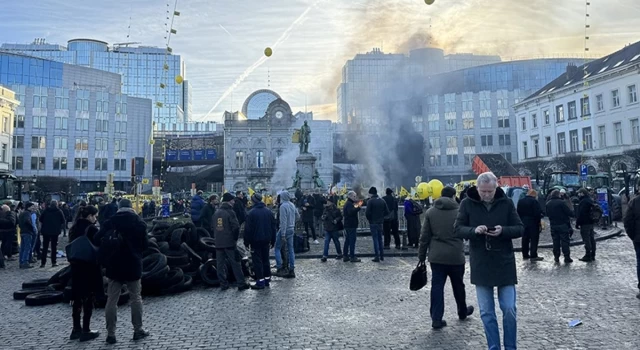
{"x": 147, "y": 72}
{"x": 74, "y": 122}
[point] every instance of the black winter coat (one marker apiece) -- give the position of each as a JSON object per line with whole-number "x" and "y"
{"x": 559, "y": 213}
{"x": 307, "y": 214}
{"x": 492, "y": 259}
{"x": 226, "y": 227}
{"x": 86, "y": 278}
{"x": 260, "y": 227}
{"x": 133, "y": 229}
{"x": 52, "y": 220}
{"x": 350, "y": 214}
{"x": 632, "y": 219}
{"x": 376, "y": 210}
{"x": 583, "y": 216}
{"x": 530, "y": 211}
{"x": 318, "y": 205}
{"x": 240, "y": 209}
{"x": 331, "y": 217}
{"x": 206, "y": 216}
{"x": 392, "y": 204}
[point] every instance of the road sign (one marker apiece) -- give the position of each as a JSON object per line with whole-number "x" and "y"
{"x": 584, "y": 171}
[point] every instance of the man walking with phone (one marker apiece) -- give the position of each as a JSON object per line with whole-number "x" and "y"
{"x": 488, "y": 219}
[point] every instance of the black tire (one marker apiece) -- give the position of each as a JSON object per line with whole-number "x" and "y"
{"x": 208, "y": 244}
{"x": 202, "y": 232}
{"x": 23, "y": 293}
{"x": 161, "y": 225}
{"x": 204, "y": 255}
{"x": 174, "y": 277}
{"x": 150, "y": 251}
{"x": 177, "y": 237}
{"x": 55, "y": 286}
{"x": 192, "y": 254}
{"x": 44, "y": 298}
{"x": 180, "y": 260}
{"x": 156, "y": 279}
{"x": 209, "y": 274}
{"x": 152, "y": 264}
{"x": 159, "y": 237}
{"x": 163, "y": 247}
{"x": 192, "y": 267}
{"x": 153, "y": 243}
{"x": 187, "y": 284}
{"x": 39, "y": 283}
{"x": 61, "y": 276}
{"x": 191, "y": 233}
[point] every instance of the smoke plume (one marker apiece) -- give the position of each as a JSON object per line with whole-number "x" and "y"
{"x": 285, "y": 170}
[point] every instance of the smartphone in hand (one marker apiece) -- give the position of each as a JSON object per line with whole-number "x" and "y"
{"x": 491, "y": 229}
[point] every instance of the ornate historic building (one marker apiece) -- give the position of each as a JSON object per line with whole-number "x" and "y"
{"x": 259, "y": 152}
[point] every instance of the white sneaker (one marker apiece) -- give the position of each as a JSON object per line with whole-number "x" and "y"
{"x": 316, "y": 242}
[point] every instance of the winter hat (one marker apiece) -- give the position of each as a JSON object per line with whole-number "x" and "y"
{"x": 227, "y": 197}
{"x": 583, "y": 191}
{"x": 448, "y": 192}
{"x": 388, "y": 191}
{"x": 124, "y": 203}
{"x": 256, "y": 198}
{"x": 373, "y": 190}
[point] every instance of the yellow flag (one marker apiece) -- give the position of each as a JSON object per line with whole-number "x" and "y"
{"x": 403, "y": 192}
{"x": 251, "y": 191}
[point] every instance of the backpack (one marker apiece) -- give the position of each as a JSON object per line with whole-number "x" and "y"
{"x": 109, "y": 249}
{"x": 595, "y": 213}
{"x": 416, "y": 208}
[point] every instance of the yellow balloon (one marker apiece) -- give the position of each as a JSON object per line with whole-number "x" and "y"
{"x": 429, "y": 2}
{"x": 179, "y": 79}
{"x": 423, "y": 191}
{"x": 268, "y": 52}
{"x": 436, "y": 188}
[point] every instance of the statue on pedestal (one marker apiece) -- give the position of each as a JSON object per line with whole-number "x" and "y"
{"x": 317, "y": 180}
{"x": 296, "y": 180}
{"x": 305, "y": 138}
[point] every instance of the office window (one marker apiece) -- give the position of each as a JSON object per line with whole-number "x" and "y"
{"x": 599, "y": 103}
{"x": 450, "y": 124}
{"x": 615, "y": 98}
{"x": 486, "y": 140}
{"x": 17, "y": 163}
{"x": 102, "y": 144}
{"x": 547, "y": 117}
{"x": 434, "y": 143}
{"x": 469, "y": 141}
{"x": 82, "y": 144}
{"x": 62, "y": 98}
{"x": 562, "y": 143}
{"x": 239, "y": 159}
{"x": 120, "y": 164}
{"x": 60, "y": 142}
{"x": 525, "y": 149}
{"x": 536, "y": 148}
{"x": 468, "y": 159}
{"x": 37, "y": 163}
{"x": 602, "y": 136}
{"x": 635, "y": 131}
{"x": 452, "y": 142}
{"x": 18, "y": 141}
{"x": 38, "y": 142}
{"x": 572, "y": 110}
{"x": 523, "y": 120}
{"x": 82, "y": 124}
{"x": 467, "y": 123}
{"x": 435, "y": 161}
{"x": 101, "y": 164}
{"x": 586, "y": 111}
{"x": 547, "y": 142}
{"x": 61, "y": 123}
{"x": 434, "y": 122}
{"x": 39, "y": 122}
{"x": 120, "y": 145}
{"x": 60, "y": 163}
{"x": 260, "y": 159}
{"x": 559, "y": 114}
{"x": 81, "y": 164}
{"x": 504, "y": 140}
{"x": 417, "y": 122}
{"x": 485, "y": 122}
{"x": 587, "y": 139}
{"x": 18, "y": 121}
{"x": 503, "y": 122}
{"x": 452, "y": 159}
{"x": 633, "y": 96}
{"x": 82, "y": 100}
{"x": 618, "y": 128}
{"x": 534, "y": 120}
{"x": 573, "y": 136}
{"x": 39, "y": 97}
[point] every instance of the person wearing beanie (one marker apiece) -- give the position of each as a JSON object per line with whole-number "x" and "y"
{"x": 376, "y": 211}
{"x": 390, "y": 225}
{"x": 260, "y": 237}
{"x": 446, "y": 256}
{"x": 227, "y": 231}
{"x": 126, "y": 268}
{"x": 585, "y": 225}
{"x": 530, "y": 213}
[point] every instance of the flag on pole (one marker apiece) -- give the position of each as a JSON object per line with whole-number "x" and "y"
{"x": 251, "y": 191}
{"x": 403, "y": 192}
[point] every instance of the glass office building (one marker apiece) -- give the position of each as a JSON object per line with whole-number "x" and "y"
{"x": 74, "y": 122}
{"x": 147, "y": 72}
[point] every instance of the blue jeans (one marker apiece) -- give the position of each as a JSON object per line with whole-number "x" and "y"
{"x": 328, "y": 237}
{"x": 507, "y": 300}
{"x": 350, "y": 242}
{"x": 376, "y": 235}
{"x": 290, "y": 252}
{"x": 26, "y": 247}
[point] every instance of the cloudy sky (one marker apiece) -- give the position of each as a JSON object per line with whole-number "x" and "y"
{"x": 221, "y": 40}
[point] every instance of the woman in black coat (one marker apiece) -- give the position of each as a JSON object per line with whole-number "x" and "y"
{"x": 86, "y": 278}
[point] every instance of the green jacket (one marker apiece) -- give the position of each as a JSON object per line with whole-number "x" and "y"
{"x": 438, "y": 237}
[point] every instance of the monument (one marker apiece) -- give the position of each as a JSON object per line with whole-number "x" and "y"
{"x": 306, "y": 177}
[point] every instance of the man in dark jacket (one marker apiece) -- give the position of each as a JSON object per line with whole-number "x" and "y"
{"x": 585, "y": 225}
{"x": 197, "y": 204}
{"x": 307, "y": 205}
{"x": 632, "y": 227}
{"x": 530, "y": 214}
{"x": 446, "y": 256}
{"x": 488, "y": 219}
{"x": 27, "y": 223}
{"x": 376, "y": 212}
{"x": 110, "y": 209}
{"x": 52, "y": 220}
{"x": 318, "y": 209}
{"x": 227, "y": 230}
{"x": 332, "y": 221}
{"x": 560, "y": 224}
{"x": 390, "y": 225}
{"x": 240, "y": 207}
{"x": 351, "y": 217}
{"x": 206, "y": 217}
{"x": 7, "y": 231}
{"x": 64, "y": 207}
{"x": 412, "y": 212}
{"x": 260, "y": 236}
{"x": 126, "y": 269}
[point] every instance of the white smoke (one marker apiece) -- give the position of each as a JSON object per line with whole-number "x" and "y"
{"x": 285, "y": 170}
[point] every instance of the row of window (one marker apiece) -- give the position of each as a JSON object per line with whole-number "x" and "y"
{"x": 61, "y": 142}
{"x": 62, "y": 123}
{"x": 452, "y": 159}
{"x": 587, "y": 140}
{"x": 470, "y": 141}
{"x": 467, "y": 123}
{"x": 82, "y": 102}
{"x": 60, "y": 163}
{"x": 632, "y": 97}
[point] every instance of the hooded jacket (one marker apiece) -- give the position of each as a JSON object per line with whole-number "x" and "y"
{"x": 288, "y": 213}
{"x": 583, "y": 216}
{"x": 492, "y": 259}
{"x": 260, "y": 227}
{"x": 52, "y": 220}
{"x": 307, "y": 211}
{"x": 226, "y": 227}
{"x": 438, "y": 236}
{"x": 559, "y": 214}
{"x": 197, "y": 203}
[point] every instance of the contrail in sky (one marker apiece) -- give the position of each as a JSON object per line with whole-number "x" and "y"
{"x": 225, "y": 29}
{"x": 262, "y": 59}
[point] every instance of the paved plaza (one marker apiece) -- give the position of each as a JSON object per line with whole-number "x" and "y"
{"x": 339, "y": 305}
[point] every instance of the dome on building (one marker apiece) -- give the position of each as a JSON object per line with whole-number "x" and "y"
{"x": 256, "y": 104}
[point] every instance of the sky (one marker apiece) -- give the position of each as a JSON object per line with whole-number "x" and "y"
{"x": 222, "y": 41}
